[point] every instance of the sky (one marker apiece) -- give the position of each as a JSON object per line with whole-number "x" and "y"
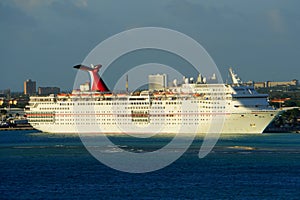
{"x": 42, "y": 39}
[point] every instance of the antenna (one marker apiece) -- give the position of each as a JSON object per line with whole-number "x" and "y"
{"x": 126, "y": 83}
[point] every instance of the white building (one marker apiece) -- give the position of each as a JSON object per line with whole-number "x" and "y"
{"x": 157, "y": 81}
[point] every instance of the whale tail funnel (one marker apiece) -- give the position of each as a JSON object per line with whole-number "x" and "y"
{"x": 97, "y": 84}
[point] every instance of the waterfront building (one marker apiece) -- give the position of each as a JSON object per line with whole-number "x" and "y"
{"x": 269, "y": 84}
{"x": 29, "y": 87}
{"x": 48, "y": 90}
{"x": 260, "y": 85}
{"x": 282, "y": 83}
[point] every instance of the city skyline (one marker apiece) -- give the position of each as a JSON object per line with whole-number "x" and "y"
{"x": 42, "y": 40}
{"x": 256, "y": 84}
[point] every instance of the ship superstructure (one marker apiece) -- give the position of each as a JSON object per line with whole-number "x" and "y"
{"x": 188, "y": 107}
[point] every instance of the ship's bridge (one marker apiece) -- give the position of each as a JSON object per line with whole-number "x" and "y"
{"x": 245, "y": 90}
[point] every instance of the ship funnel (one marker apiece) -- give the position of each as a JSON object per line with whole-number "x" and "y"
{"x": 97, "y": 84}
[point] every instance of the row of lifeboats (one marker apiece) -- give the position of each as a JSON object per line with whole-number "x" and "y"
{"x": 107, "y": 95}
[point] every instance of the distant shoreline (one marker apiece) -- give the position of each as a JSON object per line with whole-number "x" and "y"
{"x": 18, "y": 128}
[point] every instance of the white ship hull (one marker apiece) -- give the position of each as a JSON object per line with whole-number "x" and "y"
{"x": 145, "y": 116}
{"x": 233, "y": 123}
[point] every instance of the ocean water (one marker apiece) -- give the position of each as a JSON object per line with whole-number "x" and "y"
{"x": 36, "y": 165}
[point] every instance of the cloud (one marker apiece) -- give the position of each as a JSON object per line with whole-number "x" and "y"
{"x": 14, "y": 17}
{"x": 69, "y": 8}
{"x": 40, "y": 32}
{"x": 185, "y": 10}
{"x": 81, "y": 3}
{"x": 276, "y": 21}
{"x": 43, "y": 13}
{"x": 32, "y": 5}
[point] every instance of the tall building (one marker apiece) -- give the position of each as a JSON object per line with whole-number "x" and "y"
{"x": 157, "y": 82}
{"x": 29, "y": 87}
{"x": 48, "y": 90}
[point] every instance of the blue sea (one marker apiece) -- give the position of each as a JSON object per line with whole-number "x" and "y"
{"x": 35, "y": 165}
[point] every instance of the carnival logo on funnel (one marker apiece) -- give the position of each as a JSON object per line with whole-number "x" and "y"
{"x": 151, "y": 112}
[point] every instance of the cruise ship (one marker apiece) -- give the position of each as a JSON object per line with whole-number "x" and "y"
{"x": 190, "y": 107}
